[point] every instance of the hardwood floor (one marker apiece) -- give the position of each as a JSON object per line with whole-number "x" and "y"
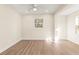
{"x": 41, "y": 47}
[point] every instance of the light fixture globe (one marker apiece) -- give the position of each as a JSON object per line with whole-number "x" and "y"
{"x": 34, "y": 9}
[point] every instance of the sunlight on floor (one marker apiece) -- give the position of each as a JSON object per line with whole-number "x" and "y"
{"x": 56, "y": 39}
{"x": 57, "y": 35}
{"x": 49, "y": 40}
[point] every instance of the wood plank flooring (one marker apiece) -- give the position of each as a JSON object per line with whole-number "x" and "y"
{"x": 41, "y": 47}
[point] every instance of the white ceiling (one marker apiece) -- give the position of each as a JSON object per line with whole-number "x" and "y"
{"x": 69, "y": 9}
{"x": 42, "y": 8}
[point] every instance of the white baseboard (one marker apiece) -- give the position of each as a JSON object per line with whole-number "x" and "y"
{"x": 76, "y": 42}
{"x": 32, "y": 39}
{"x": 3, "y": 49}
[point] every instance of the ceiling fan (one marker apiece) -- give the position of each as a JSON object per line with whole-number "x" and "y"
{"x": 34, "y": 7}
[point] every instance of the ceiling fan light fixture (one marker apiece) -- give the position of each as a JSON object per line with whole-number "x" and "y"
{"x": 35, "y": 9}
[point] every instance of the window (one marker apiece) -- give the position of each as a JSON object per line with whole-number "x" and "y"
{"x": 77, "y": 24}
{"x": 39, "y": 23}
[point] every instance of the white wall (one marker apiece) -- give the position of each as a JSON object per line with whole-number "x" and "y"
{"x": 9, "y": 27}
{"x": 60, "y": 26}
{"x": 61, "y": 19}
{"x": 30, "y": 32}
{"x": 72, "y": 35}
{"x": 65, "y": 18}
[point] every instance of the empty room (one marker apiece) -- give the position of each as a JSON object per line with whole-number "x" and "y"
{"x": 39, "y": 29}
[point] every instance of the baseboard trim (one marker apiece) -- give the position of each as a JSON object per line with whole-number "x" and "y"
{"x": 32, "y": 39}
{"x": 9, "y": 46}
{"x": 73, "y": 42}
